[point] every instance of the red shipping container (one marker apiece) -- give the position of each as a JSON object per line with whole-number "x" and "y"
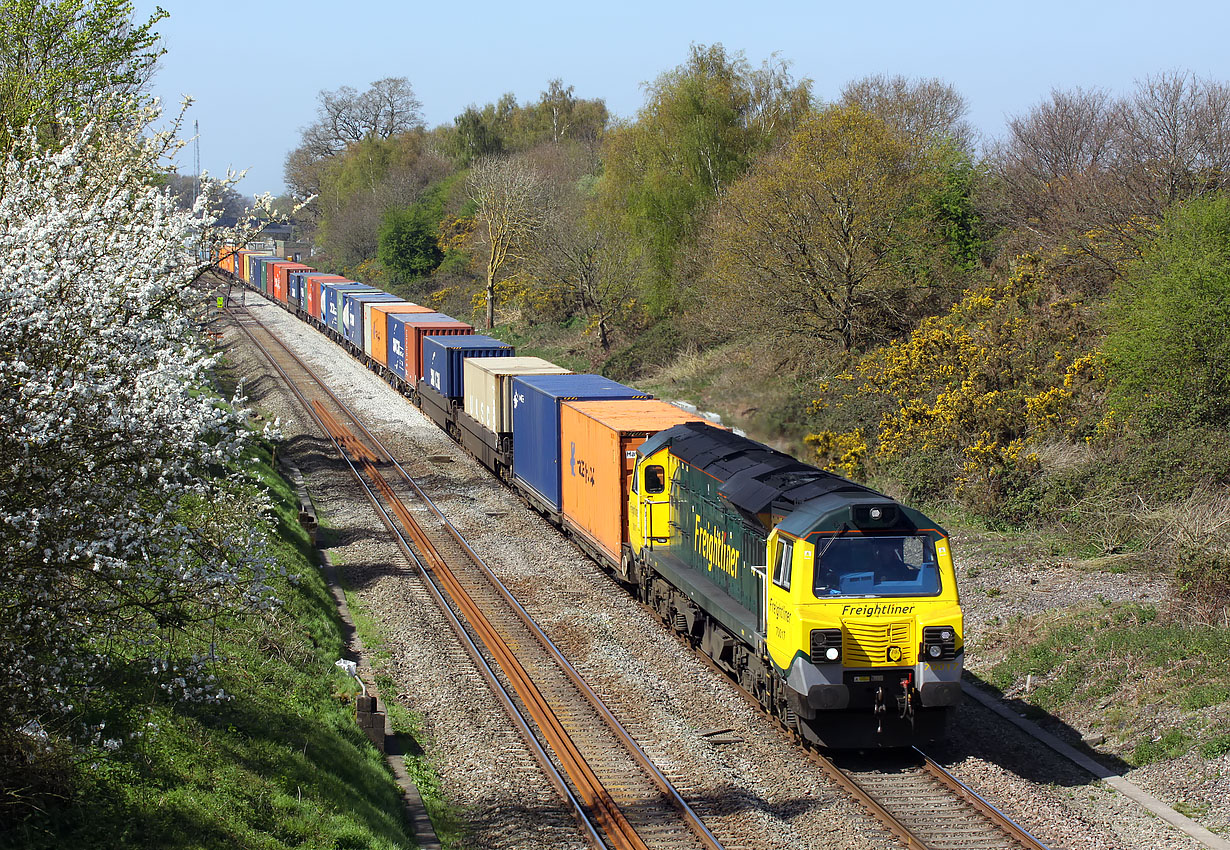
{"x": 414, "y": 349}
{"x": 275, "y": 283}
{"x": 280, "y": 270}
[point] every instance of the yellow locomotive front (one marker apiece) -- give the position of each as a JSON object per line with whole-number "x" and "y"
{"x": 832, "y": 604}
{"x": 863, "y": 622}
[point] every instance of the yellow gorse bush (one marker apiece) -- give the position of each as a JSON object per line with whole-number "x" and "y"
{"x": 977, "y": 385}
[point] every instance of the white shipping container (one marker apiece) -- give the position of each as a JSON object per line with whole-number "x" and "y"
{"x": 488, "y": 387}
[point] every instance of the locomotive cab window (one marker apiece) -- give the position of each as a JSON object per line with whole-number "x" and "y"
{"x": 877, "y": 565}
{"x": 782, "y": 564}
{"x": 655, "y": 479}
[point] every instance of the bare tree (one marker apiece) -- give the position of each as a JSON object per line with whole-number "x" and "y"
{"x": 346, "y": 116}
{"x": 1057, "y": 159}
{"x": 511, "y": 204}
{"x": 925, "y": 110}
{"x": 1176, "y": 138}
{"x": 1071, "y": 135}
{"x": 1082, "y": 163}
{"x": 590, "y": 264}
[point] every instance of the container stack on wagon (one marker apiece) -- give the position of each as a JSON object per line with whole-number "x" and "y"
{"x": 537, "y": 400}
{"x": 377, "y": 327}
{"x": 485, "y": 420}
{"x": 406, "y": 334}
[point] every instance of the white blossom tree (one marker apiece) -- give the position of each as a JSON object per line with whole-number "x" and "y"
{"x": 123, "y": 518}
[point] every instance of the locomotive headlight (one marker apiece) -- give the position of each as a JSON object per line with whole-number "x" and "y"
{"x": 876, "y": 513}
{"x": 939, "y": 643}
{"x": 826, "y": 646}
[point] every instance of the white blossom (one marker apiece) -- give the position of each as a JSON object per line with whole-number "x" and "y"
{"x": 120, "y": 518}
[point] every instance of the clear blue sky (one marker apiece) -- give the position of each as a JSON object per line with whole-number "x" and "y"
{"x": 254, "y": 68}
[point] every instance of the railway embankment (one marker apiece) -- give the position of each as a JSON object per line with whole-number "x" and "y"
{"x": 1108, "y": 659}
{"x": 277, "y": 760}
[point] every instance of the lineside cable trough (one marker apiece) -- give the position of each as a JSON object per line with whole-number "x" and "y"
{"x": 368, "y": 715}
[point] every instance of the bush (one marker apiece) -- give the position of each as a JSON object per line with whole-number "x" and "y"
{"x": 972, "y": 390}
{"x": 1169, "y": 347}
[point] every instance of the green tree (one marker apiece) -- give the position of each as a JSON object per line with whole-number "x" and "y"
{"x": 360, "y": 185}
{"x": 505, "y": 127}
{"x": 409, "y": 237}
{"x": 58, "y": 57}
{"x": 702, "y": 125}
{"x": 479, "y": 132}
{"x": 817, "y": 241}
{"x": 1169, "y": 347}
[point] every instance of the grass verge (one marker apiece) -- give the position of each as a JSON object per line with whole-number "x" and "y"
{"x": 1160, "y": 685}
{"x": 279, "y": 764}
{"x": 410, "y": 729}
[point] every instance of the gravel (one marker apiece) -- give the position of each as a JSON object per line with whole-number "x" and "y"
{"x": 757, "y": 789}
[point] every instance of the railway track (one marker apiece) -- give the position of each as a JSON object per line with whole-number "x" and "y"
{"x": 618, "y": 796}
{"x": 924, "y": 805}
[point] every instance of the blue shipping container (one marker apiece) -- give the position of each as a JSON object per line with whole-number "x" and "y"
{"x": 352, "y": 313}
{"x": 331, "y": 298}
{"x": 294, "y": 289}
{"x": 304, "y": 278}
{"x": 397, "y": 337}
{"x": 443, "y": 357}
{"x": 301, "y": 288}
{"x": 536, "y": 440}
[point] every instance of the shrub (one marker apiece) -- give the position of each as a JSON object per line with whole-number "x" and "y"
{"x": 1169, "y": 346}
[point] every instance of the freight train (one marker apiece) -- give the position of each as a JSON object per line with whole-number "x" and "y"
{"x": 834, "y": 605}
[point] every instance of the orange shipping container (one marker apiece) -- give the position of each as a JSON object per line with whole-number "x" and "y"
{"x": 378, "y": 336}
{"x": 226, "y": 258}
{"x": 598, "y": 443}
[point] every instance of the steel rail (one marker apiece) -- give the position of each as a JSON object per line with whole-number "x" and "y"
{"x": 595, "y": 796}
{"x": 606, "y": 811}
{"x": 980, "y": 803}
{"x": 541, "y": 756}
{"x": 639, "y": 755}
